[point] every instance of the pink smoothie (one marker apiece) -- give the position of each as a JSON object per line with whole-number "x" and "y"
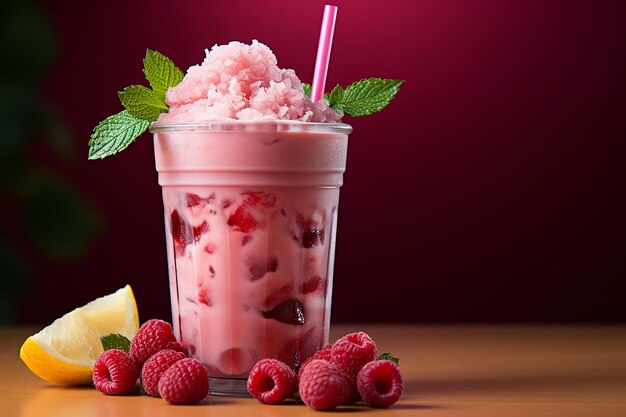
{"x": 250, "y": 213}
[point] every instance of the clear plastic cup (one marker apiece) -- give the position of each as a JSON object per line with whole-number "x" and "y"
{"x": 250, "y": 221}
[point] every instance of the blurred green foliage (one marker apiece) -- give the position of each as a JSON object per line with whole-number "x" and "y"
{"x": 42, "y": 215}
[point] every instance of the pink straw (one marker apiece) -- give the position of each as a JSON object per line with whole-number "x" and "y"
{"x": 323, "y": 52}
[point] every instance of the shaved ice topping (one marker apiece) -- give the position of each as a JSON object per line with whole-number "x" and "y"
{"x": 236, "y": 82}
{"x": 243, "y": 82}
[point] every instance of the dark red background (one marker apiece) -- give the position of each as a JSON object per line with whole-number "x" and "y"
{"x": 491, "y": 189}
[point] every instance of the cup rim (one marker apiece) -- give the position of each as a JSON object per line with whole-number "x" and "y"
{"x": 251, "y": 126}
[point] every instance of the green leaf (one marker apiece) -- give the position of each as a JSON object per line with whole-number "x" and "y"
{"x": 389, "y": 357}
{"x": 307, "y": 89}
{"x": 114, "y": 134}
{"x": 161, "y": 72}
{"x": 297, "y": 397}
{"x": 142, "y": 102}
{"x": 115, "y": 341}
{"x": 368, "y": 96}
{"x": 336, "y": 96}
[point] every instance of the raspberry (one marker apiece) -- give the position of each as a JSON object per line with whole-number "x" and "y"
{"x": 380, "y": 383}
{"x": 115, "y": 373}
{"x": 323, "y": 354}
{"x": 323, "y": 385}
{"x": 154, "y": 368}
{"x": 185, "y": 382}
{"x": 153, "y": 336}
{"x": 271, "y": 381}
{"x": 353, "y": 351}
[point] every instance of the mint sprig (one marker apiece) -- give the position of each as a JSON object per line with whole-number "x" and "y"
{"x": 389, "y": 357}
{"x": 361, "y": 98}
{"x": 142, "y": 102}
{"x": 115, "y": 341}
{"x": 142, "y": 106}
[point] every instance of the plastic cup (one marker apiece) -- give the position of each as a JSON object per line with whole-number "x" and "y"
{"x": 250, "y": 223}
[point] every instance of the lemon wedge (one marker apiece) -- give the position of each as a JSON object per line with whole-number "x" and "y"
{"x": 64, "y": 352}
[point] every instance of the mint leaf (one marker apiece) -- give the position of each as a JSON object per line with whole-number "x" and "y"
{"x": 389, "y": 357}
{"x": 142, "y": 102}
{"x": 115, "y": 341}
{"x": 161, "y": 72}
{"x": 336, "y": 96}
{"x": 297, "y": 397}
{"x": 307, "y": 89}
{"x": 114, "y": 134}
{"x": 368, "y": 96}
{"x": 143, "y": 106}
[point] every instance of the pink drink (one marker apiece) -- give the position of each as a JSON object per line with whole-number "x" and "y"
{"x": 250, "y": 219}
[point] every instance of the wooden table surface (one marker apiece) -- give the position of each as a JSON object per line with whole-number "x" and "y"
{"x": 449, "y": 370}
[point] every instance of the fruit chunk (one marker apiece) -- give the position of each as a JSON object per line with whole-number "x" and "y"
{"x": 312, "y": 232}
{"x": 183, "y": 233}
{"x": 259, "y": 198}
{"x": 242, "y": 221}
{"x": 380, "y": 383}
{"x": 313, "y": 284}
{"x": 192, "y": 200}
{"x": 258, "y": 268}
{"x": 115, "y": 373}
{"x": 271, "y": 381}
{"x": 185, "y": 382}
{"x": 64, "y": 352}
{"x": 312, "y": 237}
{"x": 204, "y": 296}
{"x": 288, "y": 312}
